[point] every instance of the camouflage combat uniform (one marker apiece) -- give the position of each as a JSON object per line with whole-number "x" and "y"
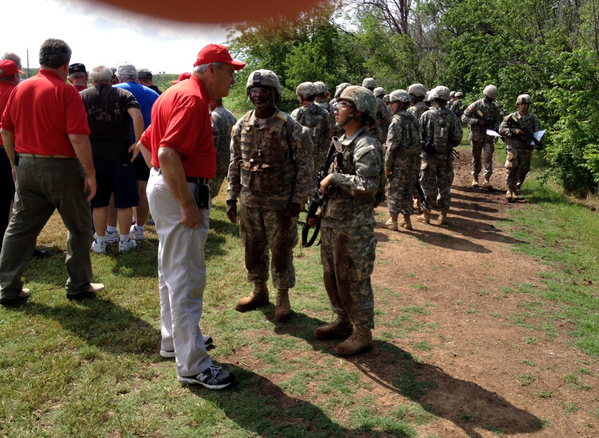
{"x": 456, "y": 107}
{"x": 318, "y": 122}
{"x": 347, "y": 241}
{"x": 517, "y": 163}
{"x": 383, "y": 118}
{"x": 267, "y": 178}
{"x": 440, "y": 125}
{"x": 402, "y": 158}
{"x": 418, "y": 109}
{"x": 480, "y": 141}
{"x": 223, "y": 121}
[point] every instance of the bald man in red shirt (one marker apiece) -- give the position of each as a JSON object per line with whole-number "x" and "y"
{"x": 45, "y": 124}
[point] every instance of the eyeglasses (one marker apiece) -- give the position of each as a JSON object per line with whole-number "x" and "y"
{"x": 264, "y": 91}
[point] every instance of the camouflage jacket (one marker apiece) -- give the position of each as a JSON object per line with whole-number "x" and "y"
{"x": 456, "y": 107}
{"x": 403, "y": 138}
{"x": 418, "y": 109}
{"x": 481, "y": 110}
{"x": 357, "y": 179}
{"x": 318, "y": 122}
{"x": 383, "y": 118}
{"x": 223, "y": 121}
{"x": 442, "y": 127}
{"x": 514, "y": 141}
{"x": 265, "y": 171}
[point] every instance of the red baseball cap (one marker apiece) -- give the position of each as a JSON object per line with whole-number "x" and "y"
{"x": 217, "y": 53}
{"x": 182, "y": 77}
{"x": 8, "y": 68}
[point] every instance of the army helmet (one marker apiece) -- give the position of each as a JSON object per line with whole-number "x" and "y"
{"x": 340, "y": 88}
{"x": 399, "y": 96}
{"x": 417, "y": 90}
{"x": 306, "y": 89}
{"x": 523, "y": 98}
{"x": 452, "y": 94}
{"x": 263, "y": 78}
{"x": 490, "y": 91}
{"x": 459, "y": 95}
{"x": 321, "y": 87}
{"x": 362, "y": 99}
{"x": 369, "y": 83}
{"x": 440, "y": 92}
{"x": 379, "y": 92}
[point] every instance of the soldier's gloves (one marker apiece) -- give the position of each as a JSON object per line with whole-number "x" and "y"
{"x": 232, "y": 211}
{"x": 293, "y": 209}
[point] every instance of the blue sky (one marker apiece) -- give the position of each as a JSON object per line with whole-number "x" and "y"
{"x": 99, "y": 34}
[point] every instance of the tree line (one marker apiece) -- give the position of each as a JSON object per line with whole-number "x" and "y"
{"x": 546, "y": 48}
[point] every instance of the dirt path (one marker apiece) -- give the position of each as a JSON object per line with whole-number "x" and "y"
{"x": 464, "y": 276}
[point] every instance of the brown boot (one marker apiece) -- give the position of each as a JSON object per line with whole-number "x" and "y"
{"x": 514, "y": 194}
{"x": 486, "y": 184}
{"x": 474, "y": 180}
{"x": 407, "y": 222}
{"x": 283, "y": 309}
{"x": 258, "y": 297}
{"x": 340, "y": 328}
{"x": 425, "y": 218}
{"x": 442, "y": 217}
{"x": 359, "y": 341}
{"x": 392, "y": 223}
{"x": 509, "y": 194}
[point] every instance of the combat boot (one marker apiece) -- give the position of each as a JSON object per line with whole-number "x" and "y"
{"x": 407, "y": 222}
{"x": 509, "y": 194}
{"x": 514, "y": 194}
{"x": 283, "y": 309}
{"x": 340, "y": 328}
{"x": 442, "y": 217}
{"x": 258, "y": 297}
{"x": 392, "y": 223}
{"x": 486, "y": 184}
{"x": 425, "y": 218}
{"x": 359, "y": 341}
{"x": 474, "y": 181}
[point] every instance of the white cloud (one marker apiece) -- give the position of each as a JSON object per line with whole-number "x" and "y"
{"x": 101, "y": 34}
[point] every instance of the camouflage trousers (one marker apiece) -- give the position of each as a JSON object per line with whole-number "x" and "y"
{"x": 264, "y": 230}
{"x": 347, "y": 256}
{"x": 436, "y": 177}
{"x": 517, "y": 165}
{"x": 402, "y": 183}
{"x": 479, "y": 147}
{"x": 222, "y": 167}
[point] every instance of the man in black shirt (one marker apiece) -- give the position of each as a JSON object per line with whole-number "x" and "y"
{"x": 109, "y": 111}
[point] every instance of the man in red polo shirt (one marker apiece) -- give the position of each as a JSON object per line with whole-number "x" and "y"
{"x": 46, "y": 120}
{"x": 184, "y": 160}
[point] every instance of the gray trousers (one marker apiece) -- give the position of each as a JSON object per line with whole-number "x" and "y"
{"x": 44, "y": 185}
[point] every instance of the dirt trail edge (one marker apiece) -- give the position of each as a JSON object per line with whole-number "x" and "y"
{"x": 462, "y": 284}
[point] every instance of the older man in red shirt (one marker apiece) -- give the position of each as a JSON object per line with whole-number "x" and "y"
{"x": 183, "y": 161}
{"x": 46, "y": 120}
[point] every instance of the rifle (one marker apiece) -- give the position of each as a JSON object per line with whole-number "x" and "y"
{"x": 318, "y": 198}
{"x": 491, "y": 124}
{"x": 527, "y": 135}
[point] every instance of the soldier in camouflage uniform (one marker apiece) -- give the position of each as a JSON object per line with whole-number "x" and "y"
{"x": 316, "y": 120}
{"x": 322, "y": 94}
{"x": 223, "y": 121}
{"x": 441, "y": 132}
{"x": 479, "y": 116}
{"x": 348, "y": 242}
{"x": 456, "y": 105}
{"x": 383, "y": 117}
{"x": 417, "y": 107}
{"x": 270, "y": 172}
{"x": 402, "y": 160}
{"x": 519, "y": 151}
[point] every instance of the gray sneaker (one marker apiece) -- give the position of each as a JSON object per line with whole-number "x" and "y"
{"x": 212, "y": 378}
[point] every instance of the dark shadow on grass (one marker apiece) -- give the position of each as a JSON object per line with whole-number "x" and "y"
{"x": 101, "y": 323}
{"x": 435, "y": 390}
{"x": 258, "y": 405}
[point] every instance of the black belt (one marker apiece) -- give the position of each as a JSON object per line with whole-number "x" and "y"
{"x": 192, "y": 179}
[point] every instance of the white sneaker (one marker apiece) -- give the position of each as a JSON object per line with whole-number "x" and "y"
{"x": 135, "y": 233}
{"x": 98, "y": 248}
{"x": 126, "y": 246}
{"x": 112, "y": 237}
